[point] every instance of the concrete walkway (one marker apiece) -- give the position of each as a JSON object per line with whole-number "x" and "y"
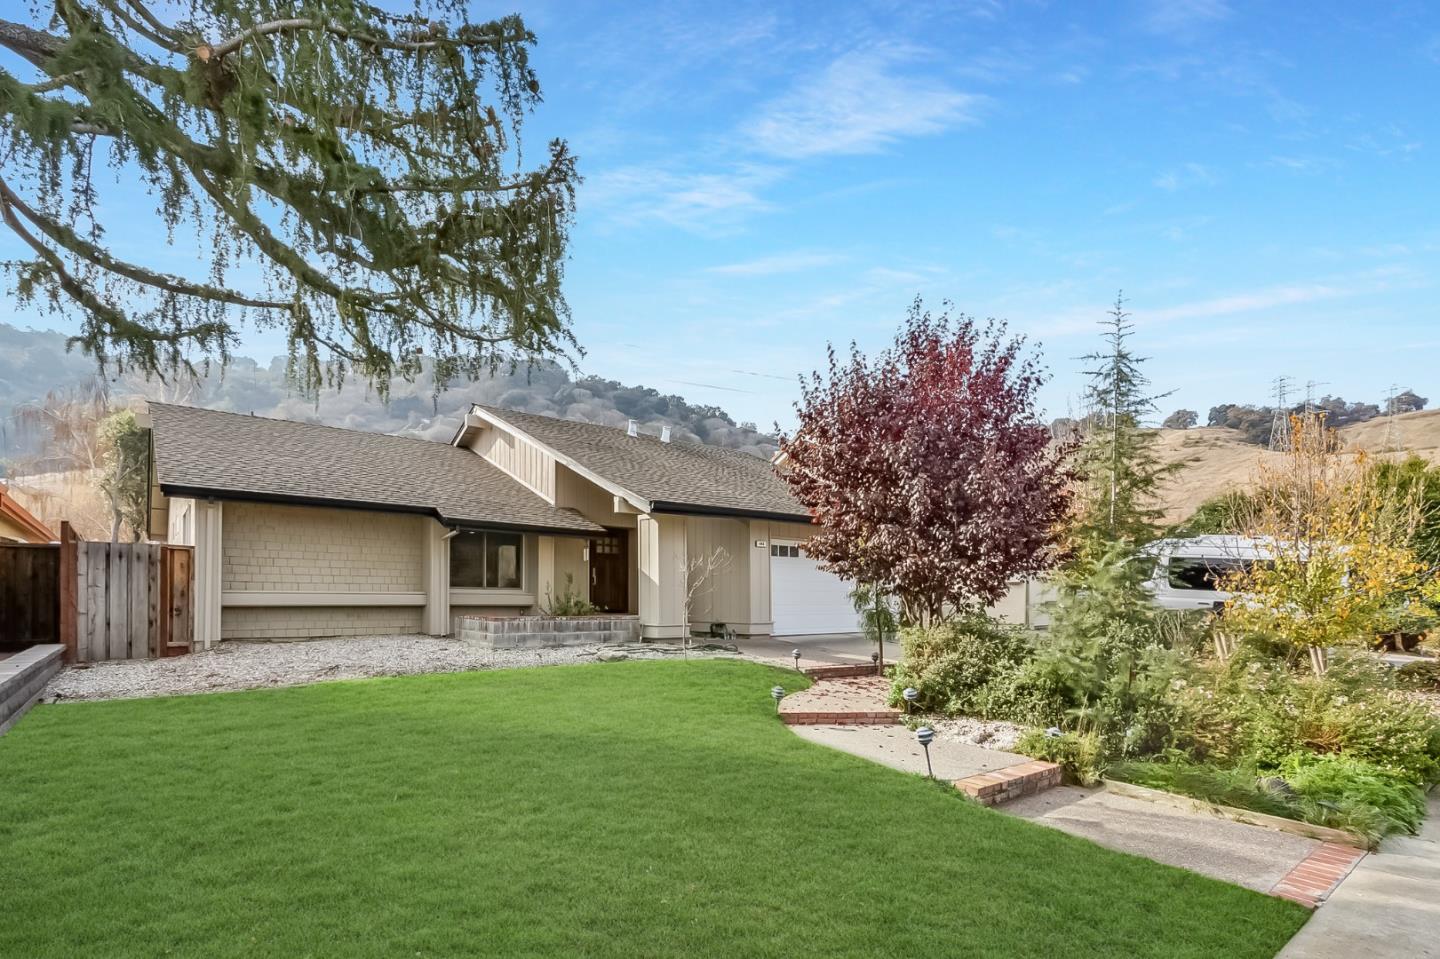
{"x": 1388, "y": 907}
{"x": 1234, "y": 852}
{"x": 895, "y": 746}
{"x": 1249, "y": 856}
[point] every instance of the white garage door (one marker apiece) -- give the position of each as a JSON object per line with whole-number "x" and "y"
{"x": 804, "y": 599}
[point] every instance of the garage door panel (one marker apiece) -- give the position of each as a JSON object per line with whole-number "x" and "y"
{"x": 806, "y": 600}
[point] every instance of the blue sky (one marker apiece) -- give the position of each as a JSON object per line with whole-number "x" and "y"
{"x": 762, "y": 178}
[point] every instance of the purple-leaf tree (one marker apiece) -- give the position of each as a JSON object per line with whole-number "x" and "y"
{"x": 927, "y": 468}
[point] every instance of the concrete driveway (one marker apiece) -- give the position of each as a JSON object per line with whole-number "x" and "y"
{"x": 825, "y": 649}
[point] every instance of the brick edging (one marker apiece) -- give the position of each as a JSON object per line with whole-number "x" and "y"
{"x": 1315, "y": 877}
{"x": 880, "y": 717}
{"x": 1011, "y": 782}
{"x": 841, "y": 671}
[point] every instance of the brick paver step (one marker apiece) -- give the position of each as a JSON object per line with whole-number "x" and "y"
{"x": 1002, "y": 785}
{"x": 1316, "y": 876}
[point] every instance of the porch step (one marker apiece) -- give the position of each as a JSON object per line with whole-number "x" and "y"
{"x": 1011, "y": 782}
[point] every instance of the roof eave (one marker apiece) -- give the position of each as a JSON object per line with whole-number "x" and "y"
{"x": 698, "y": 509}
{"x": 23, "y": 518}
{"x": 287, "y": 499}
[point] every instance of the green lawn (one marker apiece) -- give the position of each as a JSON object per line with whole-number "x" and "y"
{"x": 630, "y": 810}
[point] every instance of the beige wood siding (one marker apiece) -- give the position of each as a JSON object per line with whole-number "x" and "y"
{"x": 569, "y": 561}
{"x": 314, "y": 622}
{"x": 722, "y": 594}
{"x": 278, "y": 548}
{"x": 521, "y": 459}
{"x": 593, "y": 502}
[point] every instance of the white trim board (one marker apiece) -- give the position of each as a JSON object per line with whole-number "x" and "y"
{"x": 280, "y": 598}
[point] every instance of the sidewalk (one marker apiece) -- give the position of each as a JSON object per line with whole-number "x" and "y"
{"x": 1388, "y": 907}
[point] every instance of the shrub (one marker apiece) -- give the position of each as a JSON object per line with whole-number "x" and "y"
{"x": 1240, "y": 786}
{"x": 1354, "y": 795}
{"x": 975, "y": 666}
{"x": 1078, "y": 754}
{"x": 1333, "y": 791}
{"x": 1264, "y": 710}
{"x": 1119, "y": 683}
{"x": 1423, "y": 676}
{"x": 569, "y": 602}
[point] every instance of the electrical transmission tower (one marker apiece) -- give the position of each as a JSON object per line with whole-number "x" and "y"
{"x": 1390, "y": 431}
{"x": 1280, "y": 421}
{"x": 1310, "y": 394}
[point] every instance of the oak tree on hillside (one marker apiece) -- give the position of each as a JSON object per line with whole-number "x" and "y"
{"x": 367, "y": 162}
{"x": 927, "y": 469}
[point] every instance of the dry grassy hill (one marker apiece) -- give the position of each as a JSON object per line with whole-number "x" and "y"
{"x": 1216, "y": 460}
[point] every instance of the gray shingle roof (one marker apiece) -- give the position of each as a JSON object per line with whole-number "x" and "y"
{"x": 681, "y": 476}
{"x": 205, "y": 451}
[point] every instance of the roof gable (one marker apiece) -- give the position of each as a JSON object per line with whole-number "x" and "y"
{"x": 671, "y": 477}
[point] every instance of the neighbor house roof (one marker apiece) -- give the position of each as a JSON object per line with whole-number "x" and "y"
{"x": 671, "y": 477}
{"x": 231, "y": 455}
{"x": 15, "y": 516}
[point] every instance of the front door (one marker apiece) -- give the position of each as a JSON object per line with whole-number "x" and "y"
{"x": 609, "y": 573}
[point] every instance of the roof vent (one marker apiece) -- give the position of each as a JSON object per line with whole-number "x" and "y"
{"x": 664, "y": 434}
{"x": 633, "y": 429}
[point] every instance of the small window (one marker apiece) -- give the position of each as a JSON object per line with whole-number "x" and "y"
{"x": 787, "y": 551}
{"x": 489, "y": 560}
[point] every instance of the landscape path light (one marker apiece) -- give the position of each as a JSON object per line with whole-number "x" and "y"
{"x": 796, "y": 653}
{"x": 778, "y": 693}
{"x": 911, "y": 694}
{"x": 925, "y": 735}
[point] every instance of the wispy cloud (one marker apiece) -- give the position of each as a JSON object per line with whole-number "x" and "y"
{"x": 1185, "y": 176}
{"x": 1183, "y": 16}
{"x": 795, "y": 262}
{"x": 1249, "y": 302}
{"x": 699, "y": 201}
{"x": 1301, "y": 164}
{"x": 860, "y": 103}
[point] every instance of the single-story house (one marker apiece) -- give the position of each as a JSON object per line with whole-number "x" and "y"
{"x": 302, "y": 530}
{"x": 19, "y": 525}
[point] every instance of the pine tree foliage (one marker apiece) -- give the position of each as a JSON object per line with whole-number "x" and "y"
{"x": 368, "y": 162}
{"x": 1118, "y": 468}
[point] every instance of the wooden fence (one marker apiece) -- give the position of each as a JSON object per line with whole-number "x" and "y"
{"x": 132, "y": 601}
{"x": 29, "y": 594}
{"x": 100, "y": 600}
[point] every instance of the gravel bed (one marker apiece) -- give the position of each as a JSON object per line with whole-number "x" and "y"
{"x": 992, "y": 734}
{"x": 257, "y": 665}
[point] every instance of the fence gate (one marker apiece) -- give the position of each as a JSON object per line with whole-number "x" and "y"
{"x": 29, "y": 594}
{"x": 130, "y": 600}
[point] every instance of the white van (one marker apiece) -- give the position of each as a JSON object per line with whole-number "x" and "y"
{"x": 1189, "y": 572}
